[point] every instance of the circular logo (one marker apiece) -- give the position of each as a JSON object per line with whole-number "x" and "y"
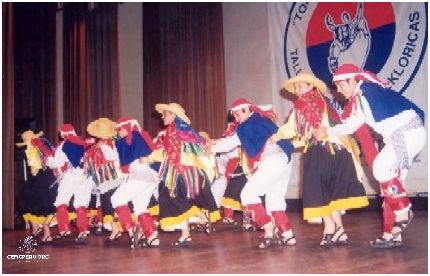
{"x": 28, "y": 245}
{"x": 388, "y": 39}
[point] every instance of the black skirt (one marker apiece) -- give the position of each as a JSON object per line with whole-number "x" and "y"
{"x": 330, "y": 182}
{"x": 38, "y": 194}
{"x": 235, "y": 186}
{"x": 93, "y": 202}
{"x": 178, "y": 209}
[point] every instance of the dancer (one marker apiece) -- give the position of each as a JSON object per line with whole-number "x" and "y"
{"x": 401, "y": 125}
{"x": 231, "y": 179}
{"x": 73, "y": 183}
{"x": 331, "y": 166}
{"x": 134, "y": 145}
{"x": 101, "y": 164}
{"x": 187, "y": 175}
{"x": 271, "y": 168}
{"x": 39, "y": 192}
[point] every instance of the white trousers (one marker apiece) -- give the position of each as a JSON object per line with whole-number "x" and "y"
{"x": 271, "y": 179}
{"x": 137, "y": 187}
{"x": 386, "y": 165}
{"x": 74, "y": 183}
{"x": 218, "y": 189}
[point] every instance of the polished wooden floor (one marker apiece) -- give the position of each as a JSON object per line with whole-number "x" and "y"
{"x": 233, "y": 251}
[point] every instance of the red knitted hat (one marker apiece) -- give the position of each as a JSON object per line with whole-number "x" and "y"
{"x": 239, "y": 104}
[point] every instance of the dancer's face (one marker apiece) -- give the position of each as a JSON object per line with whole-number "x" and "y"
{"x": 242, "y": 114}
{"x": 168, "y": 117}
{"x": 302, "y": 88}
{"x": 346, "y": 87}
{"x": 122, "y": 132}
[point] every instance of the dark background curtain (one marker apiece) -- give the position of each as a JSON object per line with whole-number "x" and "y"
{"x": 183, "y": 62}
{"x": 35, "y": 86}
{"x": 103, "y": 62}
{"x": 29, "y": 95}
{"x": 7, "y": 118}
{"x": 91, "y": 87}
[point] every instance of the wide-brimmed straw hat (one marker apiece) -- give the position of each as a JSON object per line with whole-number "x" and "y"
{"x": 306, "y": 78}
{"x": 27, "y": 136}
{"x": 175, "y": 108}
{"x": 102, "y": 128}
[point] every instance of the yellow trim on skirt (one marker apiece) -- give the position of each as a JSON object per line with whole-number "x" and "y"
{"x": 215, "y": 216}
{"x": 231, "y": 203}
{"x": 91, "y": 213}
{"x": 35, "y": 219}
{"x": 337, "y": 205}
{"x": 171, "y": 221}
{"x": 154, "y": 210}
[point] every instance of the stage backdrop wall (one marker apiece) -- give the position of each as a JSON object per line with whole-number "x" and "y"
{"x": 389, "y": 39}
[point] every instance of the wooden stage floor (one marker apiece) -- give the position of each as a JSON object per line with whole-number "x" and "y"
{"x": 233, "y": 251}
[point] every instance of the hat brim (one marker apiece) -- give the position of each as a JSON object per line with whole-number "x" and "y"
{"x": 162, "y": 107}
{"x": 93, "y": 130}
{"x": 33, "y": 135}
{"x": 319, "y": 84}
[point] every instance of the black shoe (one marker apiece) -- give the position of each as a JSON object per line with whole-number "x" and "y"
{"x": 267, "y": 242}
{"x": 108, "y": 241}
{"x": 288, "y": 241}
{"x": 82, "y": 238}
{"x": 326, "y": 241}
{"x": 341, "y": 238}
{"x": 248, "y": 225}
{"x": 183, "y": 242}
{"x": 47, "y": 241}
{"x": 63, "y": 235}
{"x": 152, "y": 242}
{"x": 384, "y": 243}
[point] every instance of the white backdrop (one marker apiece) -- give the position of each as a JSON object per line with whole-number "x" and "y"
{"x": 389, "y": 39}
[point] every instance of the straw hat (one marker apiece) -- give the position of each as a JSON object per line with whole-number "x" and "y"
{"x": 307, "y": 78}
{"x": 27, "y": 136}
{"x": 102, "y": 128}
{"x": 175, "y": 108}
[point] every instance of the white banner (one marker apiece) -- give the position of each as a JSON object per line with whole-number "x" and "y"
{"x": 389, "y": 39}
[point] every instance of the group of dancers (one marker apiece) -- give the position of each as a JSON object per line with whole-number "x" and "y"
{"x": 138, "y": 184}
